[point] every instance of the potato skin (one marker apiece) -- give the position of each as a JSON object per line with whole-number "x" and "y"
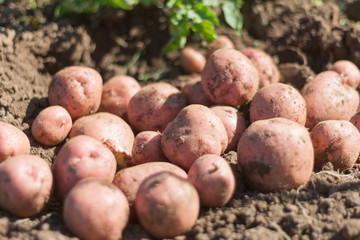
{"x": 191, "y": 60}
{"x": 154, "y": 106}
{"x": 196, "y": 95}
{"x": 25, "y": 185}
{"x": 213, "y": 179}
{"x": 77, "y": 89}
{"x": 116, "y": 95}
{"x": 220, "y": 42}
{"x": 194, "y": 132}
{"x": 51, "y": 126}
{"x": 275, "y": 154}
{"x": 278, "y": 100}
{"x": 167, "y": 205}
{"x": 229, "y": 78}
{"x": 12, "y": 141}
{"x": 355, "y": 120}
{"x": 335, "y": 141}
{"x": 96, "y": 209}
{"x": 348, "y": 71}
{"x": 81, "y": 157}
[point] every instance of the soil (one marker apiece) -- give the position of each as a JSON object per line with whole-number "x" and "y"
{"x": 303, "y": 38}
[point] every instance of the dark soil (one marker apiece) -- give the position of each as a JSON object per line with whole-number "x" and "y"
{"x": 303, "y": 38}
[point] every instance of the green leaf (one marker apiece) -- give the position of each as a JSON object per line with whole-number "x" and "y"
{"x": 205, "y": 29}
{"x": 178, "y": 38}
{"x": 232, "y": 15}
{"x": 205, "y": 13}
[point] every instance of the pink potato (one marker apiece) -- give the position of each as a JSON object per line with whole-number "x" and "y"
{"x": 220, "y": 42}
{"x": 234, "y": 123}
{"x": 337, "y": 142}
{"x": 348, "y": 71}
{"x": 278, "y": 100}
{"x": 229, "y": 78}
{"x": 81, "y": 157}
{"x": 116, "y": 95}
{"x": 110, "y": 130}
{"x": 268, "y": 71}
{"x": 355, "y": 120}
{"x": 154, "y": 106}
{"x": 147, "y": 148}
{"x": 213, "y": 179}
{"x": 275, "y": 154}
{"x": 196, "y": 95}
{"x": 167, "y": 205}
{"x": 12, "y": 141}
{"x": 191, "y": 60}
{"x": 77, "y": 89}
{"x": 25, "y": 184}
{"x": 96, "y": 209}
{"x": 51, "y": 126}
{"x": 194, "y": 132}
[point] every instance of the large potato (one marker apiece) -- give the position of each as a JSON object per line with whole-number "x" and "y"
{"x": 348, "y": 71}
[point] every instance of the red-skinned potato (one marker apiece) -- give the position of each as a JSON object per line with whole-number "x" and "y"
{"x": 355, "y": 119}
{"x": 229, "y": 78}
{"x": 81, "y": 157}
{"x": 348, "y": 71}
{"x": 110, "y": 130}
{"x": 220, "y": 42}
{"x": 194, "y": 132}
{"x": 213, "y": 179}
{"x": 96, "y": 209}
{"x": 191, "y": 60}
{"x": 25, "y": 185}
{"x": 116, "y": 95}
{"x": 197, "y": 96}
{"x": 12, "y": 141}
{"x": 77, "y": 89}
{"x": 51, "y": 126}
{"x": 167, "y": 205}
{"x": 337, "y": 142}
{"x": 275, "y": 154}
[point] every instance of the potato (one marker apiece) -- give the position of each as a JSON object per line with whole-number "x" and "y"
{"x": 154, "y": 106}
{"x": 213, "y": 179}
{"x": 194, "y": 132}
{"x": 348, "y": 71}
{"x": 229, "y": 78}
{"x": 268, "y": 71}
{"x": 25, "y": 185}
{"x": 12, "y": 141}
{"x": 234, "y": 123}
{"x": 147, "y": 148}
{"x": 110, "y": 130}
{"x": 167, "y": 205}
{"x": 196, "y": 95}
{"x": 51, "y": 126}
{"x": 275, "y": 154}
{"x": 337, "y": 142}
{"x": 220, "y": 42}
{"x": 81, "y": 157}
{"x": 116, "y": 95}
{"x": 191, "y": 60}
{"x": 355, "y": 120}
{"x": 96, "y": 209}
{"x": 278, "y": 100}
{"x": 77, "y": 89}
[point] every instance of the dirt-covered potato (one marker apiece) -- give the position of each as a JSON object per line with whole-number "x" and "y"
{"x": 220, "y": 42}
{"x": 96, "y": 209}
{"x": 12, "y": 141}
{"x": 229, "y": 78}
{"x": 348, "y": 71}
{"x": 337, "y": 142}
{"x": 109, "y": 129}
{"x": 154, "y": 106}
{"x": 52, "y": 125}
{"x": 167, "y": 205}
{"x": 195, "y": 131}
{"x": 191, "y": 60}
{"x": 275, "y": 154}
{"x": 195, "y": 94}
{"x": 355, "y": 119}
{"x": 77, "y": 89}
{"x": 278, "y": 100}
{"x": 25, "y": 185}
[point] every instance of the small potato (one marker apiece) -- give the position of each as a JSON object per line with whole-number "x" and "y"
{"x": 275, "y": 154}
{"x": 355, "y": 120}
{"x": 167, "y": 205}
{"x": 213, "y": 179}
{"x": 147, "y": 148}
{"x": 191, "y": 60}
{"x": 116, "y": 95}
{"x": 229, "y": 78}
{"x": 278, "y": 100}
{"x": 348, "y": 71}
{"x": 96, "y": 209}
{"x": 77, "y": 89}
{"x": 196, "y": 95}
{"x": 51, "y": 126}
{"x": 12, "y": 141}
{"x": 25, "y": 185}
{"x": 220, "y": 42}
{"x": 154, "y": 106}
{"x": 110, "y": 130}
{"x": 81, "y": 157}
{"x": 335, "y": 141}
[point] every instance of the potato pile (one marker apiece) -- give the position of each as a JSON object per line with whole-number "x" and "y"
{"x": 153, "y": 154}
